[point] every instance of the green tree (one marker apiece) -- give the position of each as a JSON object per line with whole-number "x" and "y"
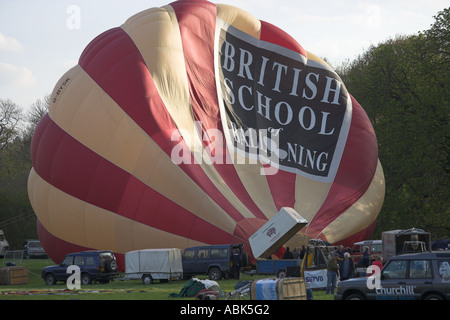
{"x": 403, "y": 84}
{"x": 17, "y": 218}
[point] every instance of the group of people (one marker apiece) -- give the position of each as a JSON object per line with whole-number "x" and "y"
{"x": 295, "y": 254}
{"x": 342, "y": 267}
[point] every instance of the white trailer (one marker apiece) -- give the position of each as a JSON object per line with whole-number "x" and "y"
{"x": 154, "y": 264}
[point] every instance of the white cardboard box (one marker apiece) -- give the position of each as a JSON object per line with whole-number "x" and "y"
{"x": 276, "y": 232}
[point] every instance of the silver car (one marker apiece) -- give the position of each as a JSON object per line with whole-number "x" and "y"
{"x": 414, "y": 276}
{"x": 33, "y": 249}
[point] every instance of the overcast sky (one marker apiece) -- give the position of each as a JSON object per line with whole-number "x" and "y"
{"x": 41, "y": 39}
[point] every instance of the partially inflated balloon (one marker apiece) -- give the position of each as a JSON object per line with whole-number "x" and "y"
{"x": 195, "y": 123}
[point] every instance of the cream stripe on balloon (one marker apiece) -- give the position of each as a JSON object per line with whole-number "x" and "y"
{"x": 163, "y": 53}
{"x": 310, "y": 194}
{"x": 250, "y": 175}
{"x": 361, "y": 214}
{"x": 97, "y": 122}
{"x": 86, "y": 225}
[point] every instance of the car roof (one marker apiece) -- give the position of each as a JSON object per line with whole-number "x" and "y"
{"x": 423, "y": 255}
{"x": 89, "y": 252}
{"x": 368, "y": 242}
{"x": 211, "y": 246}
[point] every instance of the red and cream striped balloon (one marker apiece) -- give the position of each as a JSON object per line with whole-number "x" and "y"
{"x": 103, "y": 173}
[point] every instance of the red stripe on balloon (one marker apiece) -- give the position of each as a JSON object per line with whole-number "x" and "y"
{"x": 197, "y": 34}
{"x": 355, "y": 173}
{"x": 116, "y": 65}
{"x": 74, "y": 169}
{"x": 363, "y": 234}
{"x": 57, "y": 248}
{"x": 281, "y": 184}
{"x": 275, "y": 35}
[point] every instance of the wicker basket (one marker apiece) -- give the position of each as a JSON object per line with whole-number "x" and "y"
{"x": 286, "y": 289}
{"x": 13, "y": 275}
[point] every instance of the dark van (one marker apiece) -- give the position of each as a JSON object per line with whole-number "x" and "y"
{"x": 215, "y": 260}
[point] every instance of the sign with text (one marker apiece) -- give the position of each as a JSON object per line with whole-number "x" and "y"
{"x": 269, "y": 93}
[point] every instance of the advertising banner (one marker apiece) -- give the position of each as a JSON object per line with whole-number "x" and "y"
{"x": 278, "y": 107}
{"x": 316, "y": 278}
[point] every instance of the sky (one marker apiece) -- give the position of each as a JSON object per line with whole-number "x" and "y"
{"x": 41, "y": 39}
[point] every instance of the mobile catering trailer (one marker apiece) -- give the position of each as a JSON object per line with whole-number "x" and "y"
{"x": 154, "y": 264}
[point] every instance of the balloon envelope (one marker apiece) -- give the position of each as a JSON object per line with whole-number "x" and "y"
{"x": 195, "y": 123}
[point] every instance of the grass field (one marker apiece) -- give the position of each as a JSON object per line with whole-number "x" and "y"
{"x": 118, "y": 289}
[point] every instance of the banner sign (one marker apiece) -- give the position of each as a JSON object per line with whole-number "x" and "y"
{"x": 276, "y": 105}
{"x": 316, "y": 278}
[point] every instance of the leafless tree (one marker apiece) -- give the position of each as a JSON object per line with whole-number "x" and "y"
{"x": 10, "y": 119}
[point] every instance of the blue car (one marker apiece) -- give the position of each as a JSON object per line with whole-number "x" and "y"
{"x": 94, "y": 266}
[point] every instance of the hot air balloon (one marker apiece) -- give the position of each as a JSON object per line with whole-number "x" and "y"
{"x": 195, "y": 123}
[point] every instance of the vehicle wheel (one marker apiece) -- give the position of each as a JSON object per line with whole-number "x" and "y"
{"x": 147, "y": 279}
{"x": 111, "y": 266}
{"x": 50, "y": 279}
{"x": 433, "y": 297}
{"x": 85, "y": 279}
{"x": 215, "y": 274}
{"x": 355, "y": 296}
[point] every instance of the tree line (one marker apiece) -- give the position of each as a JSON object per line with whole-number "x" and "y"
{"x": 403, "y": 85}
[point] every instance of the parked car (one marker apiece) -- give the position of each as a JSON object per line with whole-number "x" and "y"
{"x": 215, "y": 260}
{"x": 32, "y": 249}
{"x": 98, "y": 265}
{"x": 412, "y": 276}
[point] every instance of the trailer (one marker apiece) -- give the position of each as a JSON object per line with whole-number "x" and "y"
{"x": 154, "y": 264}
{"x": 397, "y": 242}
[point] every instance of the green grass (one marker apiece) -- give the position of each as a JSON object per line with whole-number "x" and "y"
{"x": 36, "y": 289}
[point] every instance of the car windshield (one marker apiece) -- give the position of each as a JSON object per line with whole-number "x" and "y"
{"x": 420, "y": 269}
{"x": 219, "y": 253}
{"x": 376, "y": 247}
{"x": 189, "y": 254}
{"x": 68, "y": 261}
{"x": 34, "y": 244}
{"x": 396, "y": 269}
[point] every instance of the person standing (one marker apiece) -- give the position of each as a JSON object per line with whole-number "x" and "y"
{"x": 237, "y": 262}
{"x": 332, "y": 273}
{"x": 288, "y": 254}
{"x": 346, "y": 267}
{"x": 379, "y": 263}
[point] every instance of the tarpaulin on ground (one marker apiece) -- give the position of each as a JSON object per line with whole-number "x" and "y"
{"x": 194, "y": 286}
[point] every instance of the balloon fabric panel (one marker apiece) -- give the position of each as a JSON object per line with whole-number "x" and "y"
{"x": 105, "y": 148}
